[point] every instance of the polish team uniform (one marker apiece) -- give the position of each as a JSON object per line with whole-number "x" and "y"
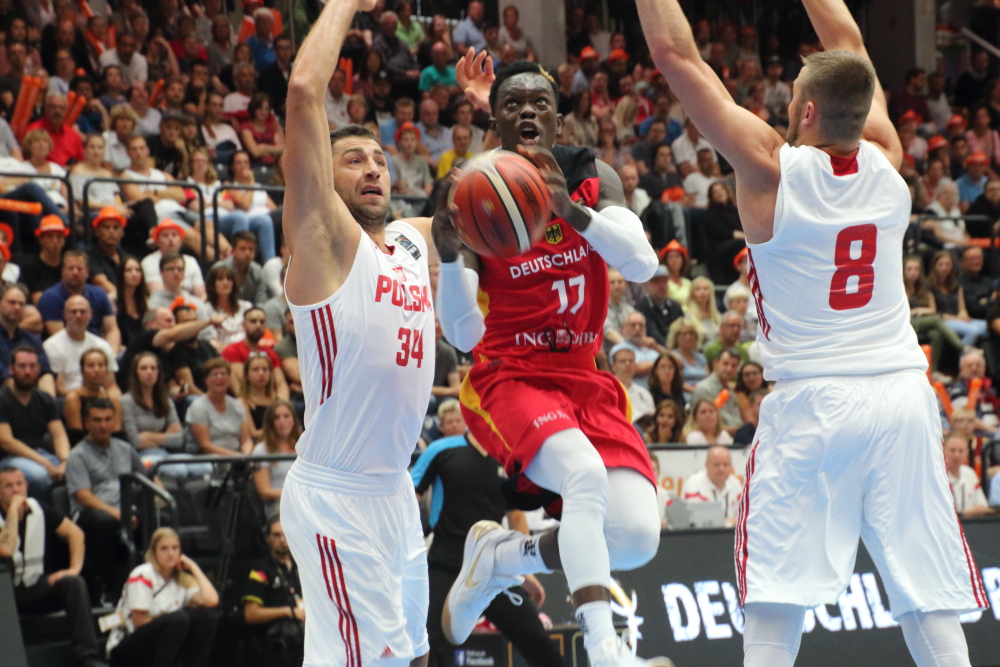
{"x": 849, "y": 441}
{"x": 534, "y": 372}
{"x": 366, "y": 356}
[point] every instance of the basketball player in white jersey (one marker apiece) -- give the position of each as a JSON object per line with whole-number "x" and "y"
{"x": 849, "y": 442}
{"x": 359, "y": 292}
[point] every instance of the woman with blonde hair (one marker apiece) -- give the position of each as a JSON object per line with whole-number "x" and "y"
{"x": 702, "y": 310}
{"x": 704, "y": 427}
{"x": 258, "y": 391}
{"x": 624, "y": 119}
{"x": 36, "y": 148}
{"x": 166, "y": 610}
{"x": 684, "y": 340}
{"x": 122, "y": 124}
{"x": 282, "y": 429}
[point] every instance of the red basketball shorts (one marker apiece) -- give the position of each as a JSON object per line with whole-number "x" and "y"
{"x": 512, "y": 406}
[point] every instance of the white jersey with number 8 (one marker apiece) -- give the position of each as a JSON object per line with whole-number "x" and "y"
{"x": 366, "y": 358}
{"x": 828, "y": 286}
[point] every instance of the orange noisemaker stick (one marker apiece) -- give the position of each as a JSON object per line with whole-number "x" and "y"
{"x": 975, "y": 387}
{"x": 721, "y": 399}
{"x": 112, "y": 40}
{"x": 21, "y": 104}
{"x": 944, "y": 398}
{"x": 74, "y": 113}
{"x": 29, "y": 106}
{"x": 29, "y": 207}
{"x": 154, "y": 96}
{"x": 94, "y": 41}
{"x": 85, "y": 8}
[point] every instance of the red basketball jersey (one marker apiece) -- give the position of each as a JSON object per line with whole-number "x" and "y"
{"x": 553, "y": 298}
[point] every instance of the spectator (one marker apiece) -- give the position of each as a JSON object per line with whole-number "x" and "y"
{"x": 972, "y": 183}
{"x": 42, "y": 271}
{"x": 949, "y": 299}
{"x": 724, "y": 230}
{"x": 37, "y": 147}
{"x": 730, "y": 330}
{"x": 441, "y": 70}
{"x": 745, "y": 434}
{"x": 257, "y": 391}
{"x": 235, "y": 104}
{"x": 13, "y": 334}
{"x": 608, "y": 149}
{"x": 220, "y": 45}
{"x": 937, "y": 100}
{"x": 716, "y": 483}
{"x": 410, "y": 32}
{"x": 977, "y": 289}
{"x": 686, "y": 149}
{"x": 219, "y": 423}
{"x": 272, "y": 599}
{"x": 368, "y": 74}
{"x": 65, "y": 348}
{"x": 464, "y": 113}
{"x": 623, "y": 366}
{"x": 149, "y": 417}
{"x": 439, "y": 33}
{"x": 171, "y": 292}
{"x": 684, "y": 340}
{"x": 277, "y": 305}
{"x": 223, "y": 300}
{"x": 987, "y": 204}
{"x": 970, "y": 501}
{"x": 281, "y": 430}
{"x": 447, "y": 383}
{"x": 948, "y": 228}
{"x": 287, "y": 351}
{"x": 123, "y": 125}
{"x": 971, "y": 369}
{"x": 460, "y": 152}
{"x": 147, "y": 118}
{"x": 105, "y": 257}
{"x": 94, "y": 371}
{"x": 168, "y": 237}
{"x": 100, "y": 194}
{"x": 74, "y": 282}
{"x": 697, "y": 183}
{"x": 636, "y": 198}
{"x": 113, "y": 87}
{"x": 667, "y": 424}
{"x": 469, "y": 31}
{"x": 580, "y": 126}
{"x": 250, "y": 284}
{"x": 337, "y": 102}
{"x": 911, "y": 97}
{"x": 92, "y": 480}
{"x": 168, "y": 200}
{"x": 167, "y": 606}
{"x": 261, "y": 134}
{"x": 511, "y": 33}
{"x": 749, "y": 380}
{"x": 644, "y": 151}
{"x": 663, "y": 175}
{"x": 237, "y": 353}
{"x": 132, "y": 65}
{"x": 398, "y": 60}
{"x": 701, "y": 308}
{"x": 251, "y": 209}
{"x": 435, "y": 136}
{"x": 36, "y": 530}
{"x": 777, "y": 93}
{"x": 261, "y": 43}
{"x": 187, "y": 358}
{"x": 411, "y": 173}
{"x": 219, "y": 136}
{"x": 402, "y": 113}
{"x": 666, "y": 381}
{"x": 716, "y": 387}
{"x": 62, "y": 75}
{"x": 971, "y": 85}
{"x": 924, "y": 318}
{"x": 678, "y": 265}
{"x": 618, "y": 308}
{"x": 659, "y": 310}
{"x": 66, "y": 142}
{"x": 982, "y": 137}
{"x": 589, "y": 61}
{"x": 704, "y": 425}
{"x": 167, "y": 147}
{"x": 32, "y": 437}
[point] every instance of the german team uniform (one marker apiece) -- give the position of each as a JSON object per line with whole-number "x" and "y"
{"x": 534, "y": 373}
{"x": 347, "y": 506}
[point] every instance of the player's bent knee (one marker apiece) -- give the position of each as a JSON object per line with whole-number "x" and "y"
{"x": 633, "y": 544}
{"x": 586, "y": 489}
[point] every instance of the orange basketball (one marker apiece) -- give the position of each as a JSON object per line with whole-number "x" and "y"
{"x": 503, "y": 204}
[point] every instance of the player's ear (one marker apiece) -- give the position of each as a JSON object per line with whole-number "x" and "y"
{"x": 492, "y": 125}
{"x": 559, "y": 124}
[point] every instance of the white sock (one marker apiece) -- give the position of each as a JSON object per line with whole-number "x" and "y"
{"x": 596, "y": 624}
{"x": 519, "y": 555}
{"x": 772, "y": 634}
{"x": 935, "y": 639}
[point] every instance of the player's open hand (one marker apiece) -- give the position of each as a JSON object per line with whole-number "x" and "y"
{"x": 475, "y": 76}
{"x": 542, "y": 158}
{"x": 446, "y": 238}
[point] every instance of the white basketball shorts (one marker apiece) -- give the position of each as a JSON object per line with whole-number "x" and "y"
{"x": 838, "y": 458}
{"x": 360, "y": 551}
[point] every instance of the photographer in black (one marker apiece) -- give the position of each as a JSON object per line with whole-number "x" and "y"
{"x": 272, "y": 599}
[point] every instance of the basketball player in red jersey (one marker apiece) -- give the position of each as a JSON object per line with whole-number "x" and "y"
{"x": 534, "y": 397}
{"x": 849, "y": 441}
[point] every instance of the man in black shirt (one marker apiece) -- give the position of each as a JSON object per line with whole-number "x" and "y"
{"x": 160, "y": 337}
{"x": 976, "y": 288}
{"x": 466, "y": 489}
{"x": 105, "y": 253}
{"x": 42, "y": 271}
{"x": 661, "y": 174}
{"x": 13, "y": 302}
{"x": 187, "y": 358}
{"x": 163, "y": 147}
{"x": 34, "y": 536}
{"x": 32, "y": 436}
{"x": 272, "y": 599}
{"x": 273, "y": 79}
{"x": 659, "y": 309}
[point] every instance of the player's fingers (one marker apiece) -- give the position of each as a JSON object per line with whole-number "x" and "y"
{"x": 488, "y": 70}
{"x": 539, "y": 157}
{"x": 477, "y": 64}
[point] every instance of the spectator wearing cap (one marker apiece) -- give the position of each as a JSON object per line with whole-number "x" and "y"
{"x": 75, "y": 272}
{"x": 261, "y": 133}
{"x": 913, "y": 144}
{"x": 972, "y": 183}
{"x": 955, "y": 127}
{"x": 623, "y": 365}
{"x": 469, "y": 31}
{"x": 171, "y": 293}
{"x": 982, "y": 137}
{"x": 273, "y": 80}
{"x": 675, "y": 257}
{"x": 511, "y": 33}
{"x": 412, "y": 175}
{"x": 590, "y": 60}
{"x": 261, "y": 42}
{"x": 169, "y": 237}
{"x": 254, "y": 327}
{"x": 14, "y": 334}
{"x": 66, "y": 142}
{"x": 687, "y": 147}
{"x": 41, "y": 271}
{"x": 441, "y": 70}
{"x": 65, "y": 348}
{"x": 234, "y": 105}
{"x": 657, "y": 307}
{"x": 105, "y": 254}
{"x": 936, "y": 147}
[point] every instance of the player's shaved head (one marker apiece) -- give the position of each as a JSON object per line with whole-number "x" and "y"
{"x": 841, "y": 86}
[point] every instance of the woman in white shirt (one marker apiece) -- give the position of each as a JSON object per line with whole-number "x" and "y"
{"x": 281, "y": 431}
{"x": 222, "y": 298}
{"x": 166, "y": 610}
{"x": 949, "y": 229}
{"x": 704, "y": 427}
{"x": 36, "y": 147}
{"x": 123, "y": 125}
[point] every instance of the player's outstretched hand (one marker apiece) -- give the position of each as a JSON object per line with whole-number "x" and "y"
{"x": 446, "y": 238}
{"x": 475, "y": 76}
{"x": 542, "y": 158}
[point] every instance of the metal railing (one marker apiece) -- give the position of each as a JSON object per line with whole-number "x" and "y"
{"x": 990, "y": 267}
{"x": 148, "y": 517}
{"x": 191, "y": 185}
{"x": 225, "y": 187}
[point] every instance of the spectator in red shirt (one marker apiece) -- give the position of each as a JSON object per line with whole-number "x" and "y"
{"x": 66, "y": 142}
{"x": 254, "y": 325}
{"x": 911, "y": 97}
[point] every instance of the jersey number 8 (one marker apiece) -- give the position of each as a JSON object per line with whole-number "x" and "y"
{"x": 847, "y": 266}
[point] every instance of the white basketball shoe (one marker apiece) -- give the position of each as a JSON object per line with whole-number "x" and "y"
{"x": 476, "y": 585}
{"x": 616, "y": 653}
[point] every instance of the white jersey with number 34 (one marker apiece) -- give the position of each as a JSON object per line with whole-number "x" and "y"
{"x": 828, "y": 286}
{"x": 366, "y": 358}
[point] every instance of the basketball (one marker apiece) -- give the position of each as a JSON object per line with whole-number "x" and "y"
{"x": 503, "y": 204}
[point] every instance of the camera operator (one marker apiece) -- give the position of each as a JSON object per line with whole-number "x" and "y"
{"x": 272, "y": 599}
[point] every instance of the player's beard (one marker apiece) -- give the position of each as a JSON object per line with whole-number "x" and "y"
{"x": 371, "y": 218}
{"x": 792, "y": 136}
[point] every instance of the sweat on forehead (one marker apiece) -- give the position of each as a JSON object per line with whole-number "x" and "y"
{"x": 526, "y": 75}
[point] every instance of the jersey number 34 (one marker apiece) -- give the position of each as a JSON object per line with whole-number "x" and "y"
{"x": 848, "y": 267}
{"x": 412, "y": 347}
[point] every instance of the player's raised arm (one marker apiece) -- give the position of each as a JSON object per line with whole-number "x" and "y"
{"x": 322, "y": 234}
{"x": 747, "y": 142}
{"x": 838, "y": 31}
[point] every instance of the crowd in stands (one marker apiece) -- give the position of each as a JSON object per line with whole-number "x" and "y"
{"x": 142, "y": 319}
